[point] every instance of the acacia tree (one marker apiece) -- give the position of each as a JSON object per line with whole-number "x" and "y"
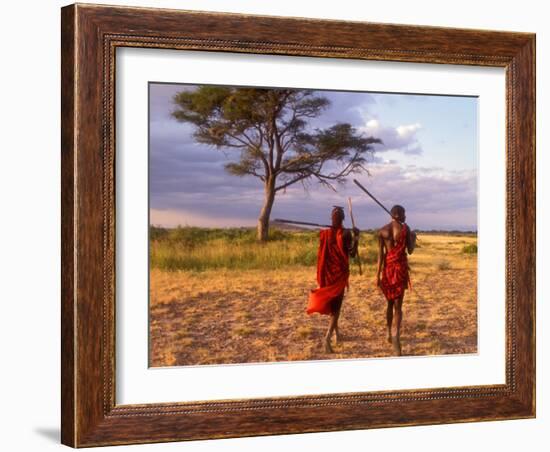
{"x": 269, "y": 129}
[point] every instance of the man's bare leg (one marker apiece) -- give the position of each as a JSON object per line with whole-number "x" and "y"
{"x": 336, "y": 328}
{"x": 394, "y": 330}
{"x": 333, "y": 324}
{"x": 332, "y": 327}
{"x": 396, "y": 343}
{"x": 389, "y": 319}
{"x": 398, "y": 317}
{"x": 328, "y": 336}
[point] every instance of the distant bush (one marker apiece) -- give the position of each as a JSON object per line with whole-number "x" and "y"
{"x": 470, "y": 249}
{"x": 156, "y": 233}
{"x": 443, "y": 265}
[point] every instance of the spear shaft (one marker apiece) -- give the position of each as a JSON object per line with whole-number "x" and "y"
{"x": 357, "y": 257}
{"x": 301, "y": 223}
{"x": 356, "y": 182}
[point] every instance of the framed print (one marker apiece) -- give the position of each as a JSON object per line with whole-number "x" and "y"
{"x": 266, "y": 218}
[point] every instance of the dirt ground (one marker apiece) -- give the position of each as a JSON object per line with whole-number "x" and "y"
{"x": 222, "y": 317}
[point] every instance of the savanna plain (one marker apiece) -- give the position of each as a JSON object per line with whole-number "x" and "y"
{"x": 217, "y": 296}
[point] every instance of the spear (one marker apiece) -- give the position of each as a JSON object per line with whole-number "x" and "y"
{"x": 357, "y": 257}
{"x": 301, "y": 223}
{"x": 356, "y": 182}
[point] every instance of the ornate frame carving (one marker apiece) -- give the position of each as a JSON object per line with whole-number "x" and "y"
{"x": 90, "y": 36}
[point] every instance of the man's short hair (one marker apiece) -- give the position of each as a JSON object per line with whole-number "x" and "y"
{"x": 397, "y": 211}
{"x": 339, "y": 211}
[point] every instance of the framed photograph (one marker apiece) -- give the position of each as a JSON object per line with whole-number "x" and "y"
{"x": 282, "y": 225}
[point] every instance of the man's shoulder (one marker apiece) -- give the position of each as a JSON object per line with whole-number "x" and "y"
{"x": 397, "y": 227}
{"x": 385, "y": 230}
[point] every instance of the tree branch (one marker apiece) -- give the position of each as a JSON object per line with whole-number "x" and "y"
{"x": 292, "y": 181}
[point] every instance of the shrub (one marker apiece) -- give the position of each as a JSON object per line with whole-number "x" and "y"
{"x": 470, "y": 249}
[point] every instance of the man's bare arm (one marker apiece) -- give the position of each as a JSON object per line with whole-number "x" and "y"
{"x": 411, "y": 240}
{"x": 381, "y": 251}
{"x": 351, "y": 241}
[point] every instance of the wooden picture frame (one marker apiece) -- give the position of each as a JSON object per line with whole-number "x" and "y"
{"x": 90, "y": 35}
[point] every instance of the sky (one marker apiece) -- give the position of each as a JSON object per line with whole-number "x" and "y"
{"x": 427, "y": 162}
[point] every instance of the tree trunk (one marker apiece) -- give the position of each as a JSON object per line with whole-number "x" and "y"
{"x": 263, "y": 219}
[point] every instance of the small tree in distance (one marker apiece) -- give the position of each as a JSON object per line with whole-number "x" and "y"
{"x": 269, "y": 129}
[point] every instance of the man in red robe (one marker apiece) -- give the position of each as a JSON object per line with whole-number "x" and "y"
{"x": 336, "y": 245}
{"x": 395, "y": 240}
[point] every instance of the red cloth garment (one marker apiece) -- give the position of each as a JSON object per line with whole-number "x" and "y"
{"x": 395, "y": 276}
{"x": 332, "y": 271}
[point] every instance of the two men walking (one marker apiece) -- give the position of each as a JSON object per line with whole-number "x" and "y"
{"x": 337, "y": 245}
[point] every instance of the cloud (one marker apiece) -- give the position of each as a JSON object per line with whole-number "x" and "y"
{"x": 433, "y": 197}
{"x": 189, "y": 185}
{"x": 345, "y": 107}
{"x": 402, "y": 138}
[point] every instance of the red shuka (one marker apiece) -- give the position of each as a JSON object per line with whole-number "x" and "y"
{"x": 395, "y": 276}
{"x": 332, "y": 271}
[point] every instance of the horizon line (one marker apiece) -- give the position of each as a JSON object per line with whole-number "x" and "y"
{"x": 305, "y": 228}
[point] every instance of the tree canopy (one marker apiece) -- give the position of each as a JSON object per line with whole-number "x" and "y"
{"x": 271, "y": 129}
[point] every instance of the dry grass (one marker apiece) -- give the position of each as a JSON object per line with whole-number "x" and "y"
{"x": 242, "y": 316}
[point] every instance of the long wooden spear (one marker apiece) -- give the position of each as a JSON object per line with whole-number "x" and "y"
{"x": 356, "y": 182}
{"x": 357, "y": 257}
{"x": 301, "y": 223}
